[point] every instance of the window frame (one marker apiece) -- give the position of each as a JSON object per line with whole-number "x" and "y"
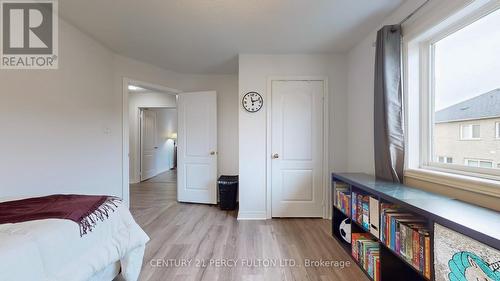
{"x": 419, "y": 85}
{"x": 471, "y": 125}
{"x": 445, "y": 159}
{"x": 479, "y": 162}
{"x": 497, "y": 130}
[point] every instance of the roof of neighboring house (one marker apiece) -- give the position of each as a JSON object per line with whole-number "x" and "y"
{"x": 484, "y": 106}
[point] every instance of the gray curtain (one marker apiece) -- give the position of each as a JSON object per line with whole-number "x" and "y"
{"x": 388, "y": 106}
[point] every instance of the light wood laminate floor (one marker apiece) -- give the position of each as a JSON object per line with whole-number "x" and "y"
{"x": 203, "y": 233}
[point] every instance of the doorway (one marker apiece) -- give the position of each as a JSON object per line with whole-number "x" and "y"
{"x": 296, "y": 145}
{"x": 192, "y": 136}
{"x": 158, "y": 137}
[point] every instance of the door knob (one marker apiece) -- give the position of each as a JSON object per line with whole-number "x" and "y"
{"x": 212, "y": 152}
{"x": 275, "y": 156}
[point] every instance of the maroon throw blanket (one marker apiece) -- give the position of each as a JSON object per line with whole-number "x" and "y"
{"x": 86, "y": 210}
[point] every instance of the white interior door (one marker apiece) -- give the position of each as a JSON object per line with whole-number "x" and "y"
{"x": 148, "y": 144}
{"x": 197, "y": 147}
{"x": 297, "y": 148}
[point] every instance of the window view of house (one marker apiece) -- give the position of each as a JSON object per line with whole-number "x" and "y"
{"x": 478, "y": 163}
{"x": 445, "y": 159}
{"x": 466, "y": 92}
{"x": 470, "y": 131}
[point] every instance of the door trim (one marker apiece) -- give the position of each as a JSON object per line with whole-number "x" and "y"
{"x": 125, "y": 129}
{"x": 326, "y": 177}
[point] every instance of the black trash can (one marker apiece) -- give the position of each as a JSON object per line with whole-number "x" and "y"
{"x": 228, "y": 192}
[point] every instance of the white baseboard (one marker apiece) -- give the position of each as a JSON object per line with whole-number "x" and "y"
{"x": 251, "y": 215}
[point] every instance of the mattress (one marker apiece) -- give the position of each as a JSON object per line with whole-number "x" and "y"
{"x": 52, "y": 249}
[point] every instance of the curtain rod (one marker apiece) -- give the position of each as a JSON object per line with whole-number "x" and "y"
{"x": 414, "y": 12}
{"x": 374, "y": 44}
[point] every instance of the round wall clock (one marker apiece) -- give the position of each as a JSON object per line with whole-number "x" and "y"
{"x": 252, "y": 102}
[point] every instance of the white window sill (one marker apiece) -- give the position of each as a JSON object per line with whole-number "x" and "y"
{"x": 473, "y": 184}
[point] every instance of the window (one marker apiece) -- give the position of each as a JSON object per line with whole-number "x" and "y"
{"x": 445, "y": 159}
{"x": 479, "y": 163}
{"x": 452, "y": 93}
{"x": 470, "y": 132}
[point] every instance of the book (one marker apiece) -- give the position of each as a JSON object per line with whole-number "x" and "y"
{"x": 405, "y": 233}
{"x": 416, "y": 233}
{"x": 427, "y": 268}
{"x": 376, "y": 273}
{"x": 404, "y": 244}
{"x": 415, "y": 249}
{"x": 343, "y": 200}
{"x": 374, "y": 217}
{"x": 366, "y": 213}
{"x": 394, "y": 233}
{"x": 354, "y": 198}
{"x": 421, "y": 250}
{"x": 340, "y": 190}
{"x": 354, "y": 240}
{"x": 385, "y": 208}
{"x": 359, "y": 211}
{"x": 367, "y": 254}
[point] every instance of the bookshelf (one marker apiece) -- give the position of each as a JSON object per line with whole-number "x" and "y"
{"x": 389, "y": 208}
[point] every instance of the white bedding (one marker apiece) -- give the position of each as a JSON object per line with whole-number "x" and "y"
{"x": 52, "y": 249}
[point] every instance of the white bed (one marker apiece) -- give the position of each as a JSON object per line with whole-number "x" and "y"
{"x": 52, "y": 250}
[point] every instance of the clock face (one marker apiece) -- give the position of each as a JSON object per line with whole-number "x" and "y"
{"x": 252, "y": 102}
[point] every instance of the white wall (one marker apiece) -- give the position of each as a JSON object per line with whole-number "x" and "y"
{"x": 136, "y": 101}
{"x": 62, "y": 129}
{"x": 254, "y": 71}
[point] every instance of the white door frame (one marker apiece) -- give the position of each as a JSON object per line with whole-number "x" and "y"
{"x": 126, "y": 126}
{"x": 326, "y": 175}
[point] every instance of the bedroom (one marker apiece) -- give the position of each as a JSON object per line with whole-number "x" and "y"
{"x": 66, "y": 130}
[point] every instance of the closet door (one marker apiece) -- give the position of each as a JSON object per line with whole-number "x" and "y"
{"x": 297, "y": 148}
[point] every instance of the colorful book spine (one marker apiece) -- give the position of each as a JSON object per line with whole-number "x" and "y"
{"x": 427, "y": 271}
{"x": 415, "y": 249}
{"x": 384, "y": 208}
{"x": 406, "y": 234}
{"x": 421, "y": 251}
{"x": 366, "y": 213}
{"x": 343, "y": 200}
{"x": 376, "y": 274}
{"x": 401, "y": 248}
{"x": 367, "y": 254}
{"x": 354, "y": 240}
{"x": 354, "y": 205}
{"x": 359, "y": 212}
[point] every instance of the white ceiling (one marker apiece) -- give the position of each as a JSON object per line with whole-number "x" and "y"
{"x": 205, "y": 36}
